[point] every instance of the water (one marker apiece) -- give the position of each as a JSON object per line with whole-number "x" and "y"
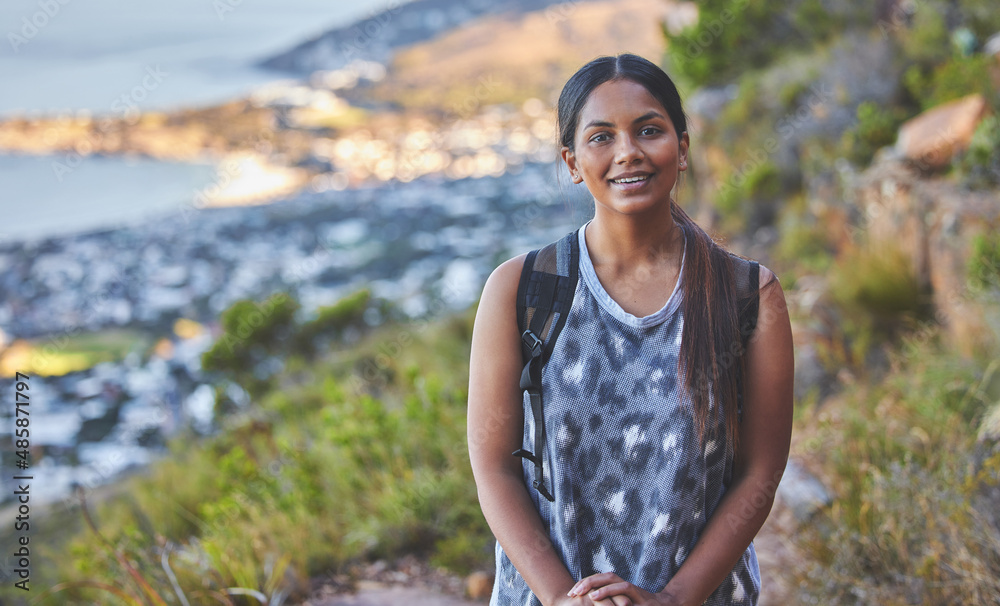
{"x": 94, "y": 54}
{"x": 91, "y": 52}
{"x": 41, "y": 200}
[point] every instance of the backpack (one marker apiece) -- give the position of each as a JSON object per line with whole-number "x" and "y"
{"x": 544, "y": 296}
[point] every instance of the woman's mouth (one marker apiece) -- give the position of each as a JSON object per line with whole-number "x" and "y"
{"x": 631, "y": 183}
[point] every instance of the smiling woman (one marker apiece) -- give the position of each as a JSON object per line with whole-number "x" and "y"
{"x": 670, "y": 412}
{"x": 623, "y": 122}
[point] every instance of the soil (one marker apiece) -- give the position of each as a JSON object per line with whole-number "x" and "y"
{"x": 405, "y": 581}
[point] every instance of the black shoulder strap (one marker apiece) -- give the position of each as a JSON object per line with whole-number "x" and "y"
{"x": 544, "y": 296}
{"x": 749, "y": 299}
{"x": 747, "y": 273}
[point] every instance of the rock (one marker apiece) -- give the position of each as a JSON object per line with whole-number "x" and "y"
{"x": 802, "y": 492}
{"x": 933, "y": 137}
{"x": 478, "y": 585}
{"x": 933, "y": 222}
{"x": 811, "y": 378}
{"x": 989, "y": 429}
{"x": 374, "y": 595}
{"x": 992, "y": 46}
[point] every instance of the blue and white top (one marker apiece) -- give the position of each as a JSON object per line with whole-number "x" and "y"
{"x": 632, "y": 487}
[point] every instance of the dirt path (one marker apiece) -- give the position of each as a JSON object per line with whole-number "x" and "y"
{"x": 408, "y": 580}
{"x": 376, "y": 594}
{"x": 414, "y": 583}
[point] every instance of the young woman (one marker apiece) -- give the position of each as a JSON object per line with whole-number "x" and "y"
{"x": 658, "y": 490}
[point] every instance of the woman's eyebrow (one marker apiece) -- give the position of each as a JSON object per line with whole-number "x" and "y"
{"x": 642, "y": 118}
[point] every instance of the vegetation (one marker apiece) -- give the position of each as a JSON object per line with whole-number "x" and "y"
{"x": 876, "y": 281}
{"x": 359, "y": 455}
{"x": 758, "y": 33}
{"x": 876, "y": 127}
{"x": 984, "y": 264}
{"x": 980, "y": 164}
{"x": 910, "y": 524}
{"x": 70, "y": 351}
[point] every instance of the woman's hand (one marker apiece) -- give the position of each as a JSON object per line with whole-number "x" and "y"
{"x": 608, "y": 585}
{"x": 584, "y": 600}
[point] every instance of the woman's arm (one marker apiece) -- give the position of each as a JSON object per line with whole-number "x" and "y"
{"x": 765, "y": 434}
{"x": 495, "y": 430}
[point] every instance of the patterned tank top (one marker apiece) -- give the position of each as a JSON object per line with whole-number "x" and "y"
{"x": 633, "y": 489}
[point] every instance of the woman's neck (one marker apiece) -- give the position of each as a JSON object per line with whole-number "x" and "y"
{"x": 631, "y": 241}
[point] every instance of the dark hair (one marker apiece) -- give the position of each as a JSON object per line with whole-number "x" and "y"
{"x": 711, "y": 345}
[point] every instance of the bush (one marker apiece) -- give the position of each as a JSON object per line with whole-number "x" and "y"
{"x": 979, "y": 165}
{"x": 750, "y": 200}
{"x": 332, "y": 321}
{"x": 952, "y": 79}
{"x": 876, "y": 127}
{"x": 906, "y": 527}
{"x": 316, "y": 477}
{"x": 984, "y": 263}
{"x": 804, "y": 244}
{"x": 253, "y": 335}
{"x": 732, "y": 38}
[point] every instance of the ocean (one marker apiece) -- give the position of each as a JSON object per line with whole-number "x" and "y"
{"x": 63, "y": 56}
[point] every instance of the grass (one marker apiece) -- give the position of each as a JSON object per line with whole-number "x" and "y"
{"x": 332, "y": 466}
{"x": 360, "y": 454}
{"x": 909, "y": 524}
{"x": 66, "y": 353}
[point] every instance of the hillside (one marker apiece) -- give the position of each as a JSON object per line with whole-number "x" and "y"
{"x": 510, "y": 58}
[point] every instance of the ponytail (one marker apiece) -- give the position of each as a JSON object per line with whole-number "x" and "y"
{"x": 712, "y": 363}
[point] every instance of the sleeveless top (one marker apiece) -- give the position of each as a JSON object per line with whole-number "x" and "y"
{"x": 633, "y": 489}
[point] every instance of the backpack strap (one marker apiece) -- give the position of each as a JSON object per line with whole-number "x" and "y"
{"x": 747, "y": 273}
{"x": 544, "y": 296}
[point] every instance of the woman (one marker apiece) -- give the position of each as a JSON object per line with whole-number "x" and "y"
{"x": 658, "y": 491}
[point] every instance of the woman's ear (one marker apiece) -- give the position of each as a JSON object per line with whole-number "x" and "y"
{"x": 570, "y": 159}
{"x": 682, "y": 151}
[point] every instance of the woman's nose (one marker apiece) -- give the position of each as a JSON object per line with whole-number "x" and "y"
{"x": 626, "y": 149}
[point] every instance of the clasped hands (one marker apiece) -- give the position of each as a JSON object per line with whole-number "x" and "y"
{"x": 609, "y": 589}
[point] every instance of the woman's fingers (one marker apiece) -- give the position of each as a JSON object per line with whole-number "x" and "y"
{"x": 586, "y": 584}
{"x": 613, "y": 589}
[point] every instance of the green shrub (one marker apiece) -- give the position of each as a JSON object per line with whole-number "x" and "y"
{"x": 984, "y": 263}
{"x": 951, "y": 79}
{"x": 979, "y": 165}
{"x": 750, "y": 200}
{"x": 876, "y": 127}
{"x": 878, "y": 280}
{"x": 922, "y": 34}
{"x": 252, "y": 334}
{"x": 905, "y": 526}
{"x": 804, "y": 246}
{"x": 318, "y": 475}
{"x": 332, "y": 320}
{"x": 732, "y": 37}
{"x": 981, "y": 16}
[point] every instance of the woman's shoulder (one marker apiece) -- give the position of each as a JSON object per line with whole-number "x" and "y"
{"x": 504, "y": 277}
{"x": 500, "y": 291}
{"x": 742, "y": 268}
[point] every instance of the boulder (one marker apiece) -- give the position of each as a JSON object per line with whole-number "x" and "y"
{"x": 989, "y": 429}
{"x": 932, "y": 138}
{"x": 933, "y": 222}
{"x": 992, "y": 46}
{"x": 802, "y": 492}
{"x": 479, "y": 585}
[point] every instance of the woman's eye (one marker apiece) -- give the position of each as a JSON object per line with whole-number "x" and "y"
{"x": 599, "y": 137}
{"x": 649, "y": 130}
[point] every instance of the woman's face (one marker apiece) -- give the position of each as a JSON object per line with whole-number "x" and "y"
{"x": 625, "y": 133}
